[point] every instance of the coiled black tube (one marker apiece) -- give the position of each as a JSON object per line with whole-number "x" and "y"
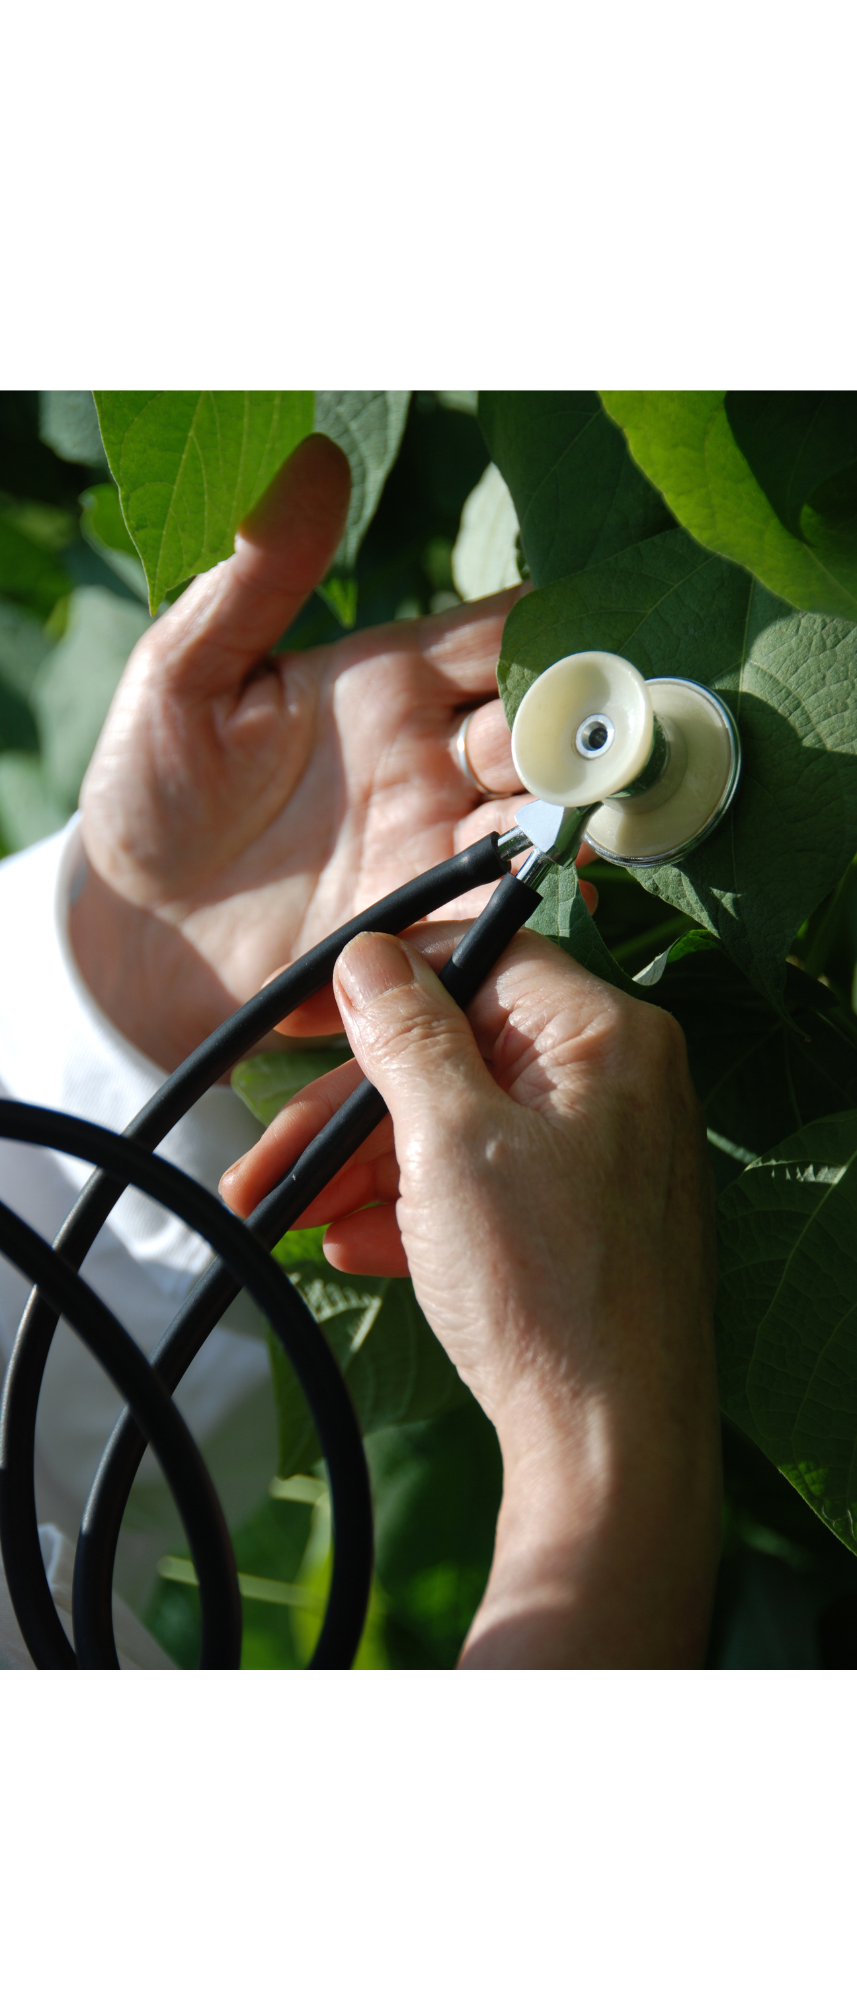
{"x": 96, "y": 1548}
{"x": 510, "y": 906}
{"x": 293, "y": 1325}
{"x": 25, "y": 1575}
{"x": 160, "y": 1423}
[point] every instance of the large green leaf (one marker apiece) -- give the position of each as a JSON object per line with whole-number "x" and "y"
{"x": 758, "y": 1075}
{"x": 190, "y": 465}
{"x": 791, "y": 682}
{"x": 396, "y": 1370}
{"x": 579, "y": 496}
{"x": 367, "y": 424}
{"x": 685, "y": 442}
{"x": 787, "y": 1313}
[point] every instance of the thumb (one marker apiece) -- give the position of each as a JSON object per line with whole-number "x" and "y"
{"x": 230, "y": 617}
{"x": 409, "y": 1037}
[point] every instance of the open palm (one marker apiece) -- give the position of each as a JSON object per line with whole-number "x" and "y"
{"x": 240, "y": 804}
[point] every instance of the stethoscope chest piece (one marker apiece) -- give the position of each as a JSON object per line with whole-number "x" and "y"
{"x": 659, "y": 760}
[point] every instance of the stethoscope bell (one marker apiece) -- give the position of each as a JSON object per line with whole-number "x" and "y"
{"x": 660, "y": 760}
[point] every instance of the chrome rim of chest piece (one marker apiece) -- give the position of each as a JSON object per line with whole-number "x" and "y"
{"x": 660, "y": 759}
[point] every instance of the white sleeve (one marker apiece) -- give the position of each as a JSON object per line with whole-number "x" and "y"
{"x": 57, "y": 1048}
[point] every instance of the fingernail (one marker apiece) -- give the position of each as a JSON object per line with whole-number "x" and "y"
{"x": 370, "y": 965}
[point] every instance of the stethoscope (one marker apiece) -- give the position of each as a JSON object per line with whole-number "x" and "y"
{"x": 646, "y": 771}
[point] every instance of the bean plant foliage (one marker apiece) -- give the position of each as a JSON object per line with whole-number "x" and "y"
{"x": 711, "y": 536}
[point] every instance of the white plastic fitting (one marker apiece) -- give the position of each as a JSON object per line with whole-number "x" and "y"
{"x": 557, "y": 757}
{"x": 586, "y": 730}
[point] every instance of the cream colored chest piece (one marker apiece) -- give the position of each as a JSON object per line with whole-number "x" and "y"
{"x": 660, "y": 759}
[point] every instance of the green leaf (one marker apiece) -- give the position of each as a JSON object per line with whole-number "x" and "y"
{"x": 791, "y": 683}
{"x": 757, "y": 1075}
{"x": 30, "y": 574}
{"x": 340, "y": 593}
{"x": 579, "y": 496}
{"x": 17, "y": 722}
{"x": 436, "y": 1491}
{"x": 191, "y": 464}
{"x": 75, "y": 686}
{"x": 266, "y": 1082}
{"x": 29, "y": 810}
{"x": 68, "y": 422}
{"x": 103, "y": 527}
{"x": 485, "y": 557}
{"x": 685, "y": 442}
{"x": 367, "y": 425}
{"x": 787, "y": 1313}
{"x": 24, "y": 644}
{"x": 563, "y": 916}
{"x": 396, "y": 1370}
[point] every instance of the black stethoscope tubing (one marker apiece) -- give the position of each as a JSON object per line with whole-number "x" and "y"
{"x": 509, "y": 907}
{"x": 293, "y": 1325}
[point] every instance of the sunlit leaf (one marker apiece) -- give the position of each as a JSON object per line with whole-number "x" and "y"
{"x": 190, "y": 465}
{"x": 485, "y": 558}
{"x": 685, "y": 442}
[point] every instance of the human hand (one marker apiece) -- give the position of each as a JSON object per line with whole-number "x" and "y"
{"x": 550, "y": 1195}
{"x": 240, "y": 805}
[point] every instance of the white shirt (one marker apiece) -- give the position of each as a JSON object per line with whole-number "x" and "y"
{"x": 58, "y": 1049}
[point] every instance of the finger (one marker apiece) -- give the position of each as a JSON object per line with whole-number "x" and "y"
{"x": 359, "y": 1182}
{"x": 462, "y": 646}
{"x": 457, "y": 651}
{"x": 544, "y": 1023}
{"x": 227, "y": 620}
{"x": 369, "y": 1244}
{"x": 249, "y": 1179}
{"x": 482, "y": 745}
{"x": 410, "y": 1038}
{"x": 320, "y": 1015}
{"x": 433, "y": 939}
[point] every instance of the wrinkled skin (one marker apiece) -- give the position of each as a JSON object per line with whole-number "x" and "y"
{"x": 545, "y": 1182}
{"x": 548, "y": 1187}
{"x": 240, "y": 805}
